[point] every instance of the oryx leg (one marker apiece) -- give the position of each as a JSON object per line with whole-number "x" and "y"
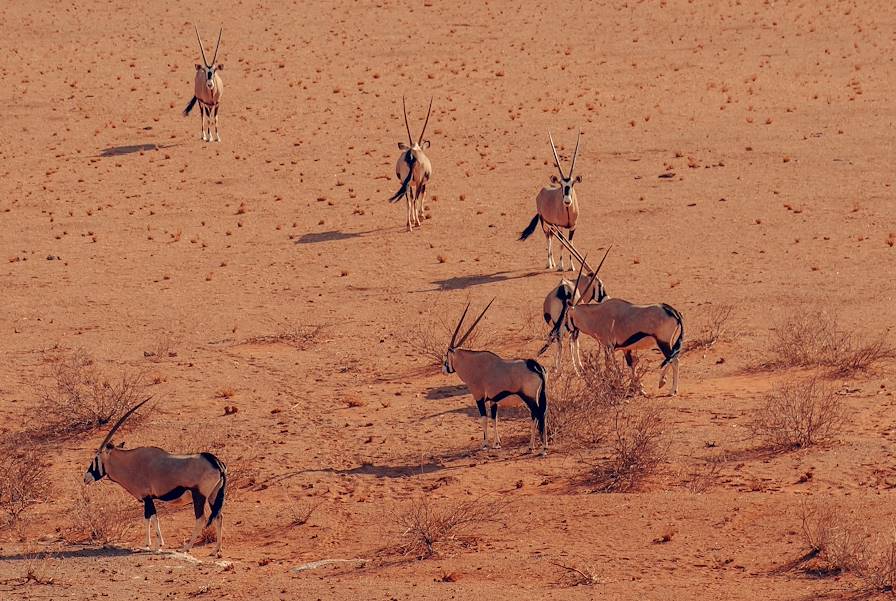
{"x": 550, "y": 251}
{"x": 219, "y": 534}
{"x": 202, "y": 121}
{"x": 410, "y": 205}
{"x": 421, "y": 195}
{"x": 149, "y": 514}
{"x": 574, "y": 351}
{"x": 675, "y": 376}
{"x": 199, "y": 512}
{"x": 667, "y": 352}
{"x": 632, "y": 361}
{"x": 495, "y": 420}
{"x": 217, "y": 131}
{"x": 480, "y": 404}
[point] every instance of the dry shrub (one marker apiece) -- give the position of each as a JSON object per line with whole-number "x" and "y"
{"x": 81, "y": 398}
{"x": 429, "y": 336}
{"x": 24, "y": 480}
{"x": 798, "y": 415}
{"x": 300, "y": 337}
{"x": 839, "y": 544}
{"x": 300, "y": 513}
{"x": 580, "y": 407}
{"x": 705, "y": 475}
{"x": 815, "y": 339}
{"x": 578, "y": 576}
{"x": 102, "y": 515}
{"x": 716, "y": 326}
{"x": 425, "y": 528}
{"x": 161, "y": 348}
{"x": 638, "y": 444}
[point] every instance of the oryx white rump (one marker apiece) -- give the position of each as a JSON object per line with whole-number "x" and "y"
{"x": 623, "y": 326}
{"x": 491, "y": 378}
{"x": 414, "y": 170}
{"x": 149, "y": 473}
{"x": 208, "y": 88}
{"x": 557, "y": 205}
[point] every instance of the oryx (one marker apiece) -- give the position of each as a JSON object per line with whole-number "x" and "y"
{"x": 557, "y": 205}
{"x": 491, "y": 378}
{"x": 208, "y": 88}
{"x": 414, "y": 170}
{"x": 555, "y": 301}
{"x": 150, "y": 473}
{"x": 622, "y": 326}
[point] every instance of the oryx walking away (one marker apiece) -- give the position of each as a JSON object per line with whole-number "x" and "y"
{"x": 150, "y": 473}
{"x": 208, "y": 88}
{"x": 622, "y": 326}
{"x": 491, "y": 378}
{"x": 414, "y": 170}
{"x": 557, "y": 205}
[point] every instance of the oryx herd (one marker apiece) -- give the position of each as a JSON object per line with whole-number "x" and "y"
{"x": 571, "y": 307}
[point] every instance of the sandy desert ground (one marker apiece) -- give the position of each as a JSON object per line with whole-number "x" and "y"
{"x": 774, "y": 119}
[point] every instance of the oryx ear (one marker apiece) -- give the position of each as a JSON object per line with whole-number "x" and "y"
{"x": 555, "y": 179}
{"x": 220, "y": 67}
{"x": 403, "y": 146}
{"x": 425, "y": 144}
{"x": 578, "y": 179}
{"x": 198, "y": 67}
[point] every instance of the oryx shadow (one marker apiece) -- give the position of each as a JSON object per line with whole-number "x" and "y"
{"x": 116, "y": 151}
{"x": 334, "y": 236}
{"x": 468, "y": 281}
{"x": 86, "y": 552}
{"x": 446, "y": 392}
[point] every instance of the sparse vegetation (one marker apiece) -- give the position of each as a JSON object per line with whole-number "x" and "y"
{"x": 101, "y": 515}
{"x": 23, "y": 479}
{"x": 300, "y": 512}
{"x": 578, "y": 576}
{"x": 425, "y": 528}
{"x": 716, "y": 326}
{"x": 797, "y": 415}
{"x": 300, "y": 337}
{"x": 638, "y": 444}
{"x": 815, "y": 339}
{"x": 581, "y": 406}
{"x": 430, "y": 335}
{"x": 81, "y": 398}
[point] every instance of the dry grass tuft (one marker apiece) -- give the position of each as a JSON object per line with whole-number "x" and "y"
{"x": 804, "y": 339}
{"x": 24, "y": 480}
{"x": 578, "y": 576}
{"x": 81, "y": 398}
{"x": 716, "y": 326}
{"x": 161, "y": 348}
{"x": 706, "y": 475}
{"x": 800, "y": 414}
{"x": 425, "y": 529}
{"x": 300, "y": 337}
{"x": 102, "y": 515}
{"x": 300, "y": 513}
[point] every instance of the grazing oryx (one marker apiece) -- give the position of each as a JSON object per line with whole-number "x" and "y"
{"x": 491, "y": 378}
{"x": 207, "y": 90}
{"x": 624, "y": 326}
{"x": 150, "y": 473}
{"x": 555, "y": 301}
{"x": 557, "y": 206}
{"x": 414, "y": 170}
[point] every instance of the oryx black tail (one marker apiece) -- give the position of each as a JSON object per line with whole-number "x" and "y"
{"x": 530, "y": 228}
{"x": 190, "y": 106}
{"x": 218, "y": 502}
{"x": 537, "y": 367}
{"x": 676, "y": 348}
{"x": 410, "y": 160}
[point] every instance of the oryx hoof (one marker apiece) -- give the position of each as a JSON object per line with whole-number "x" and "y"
{"x": 497, "y": 445}
{"x": 560, "y": 267}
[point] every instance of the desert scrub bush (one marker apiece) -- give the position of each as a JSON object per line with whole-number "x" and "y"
{"x": 23, "y": 479}
{"x": 815, "y": 339}
{"x": 797, "y": 415}
{"x": 425, "y": 528}
{"x": 581, "y": 406}
{"x": 715, "y": 326}
{"x": 637, "y": 443}
{"x": 102, "y": 514}
{"x": 80, "y": 398}
{"x": 299, "y": 336}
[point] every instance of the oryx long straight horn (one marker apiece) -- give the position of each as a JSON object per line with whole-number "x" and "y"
{"x": 491, "y": 378}
{"x": 557, "y": 206}
{"x": 414, "y": 170}
{"x": 208, "y": 87}
{"x": 149, "y": 473}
